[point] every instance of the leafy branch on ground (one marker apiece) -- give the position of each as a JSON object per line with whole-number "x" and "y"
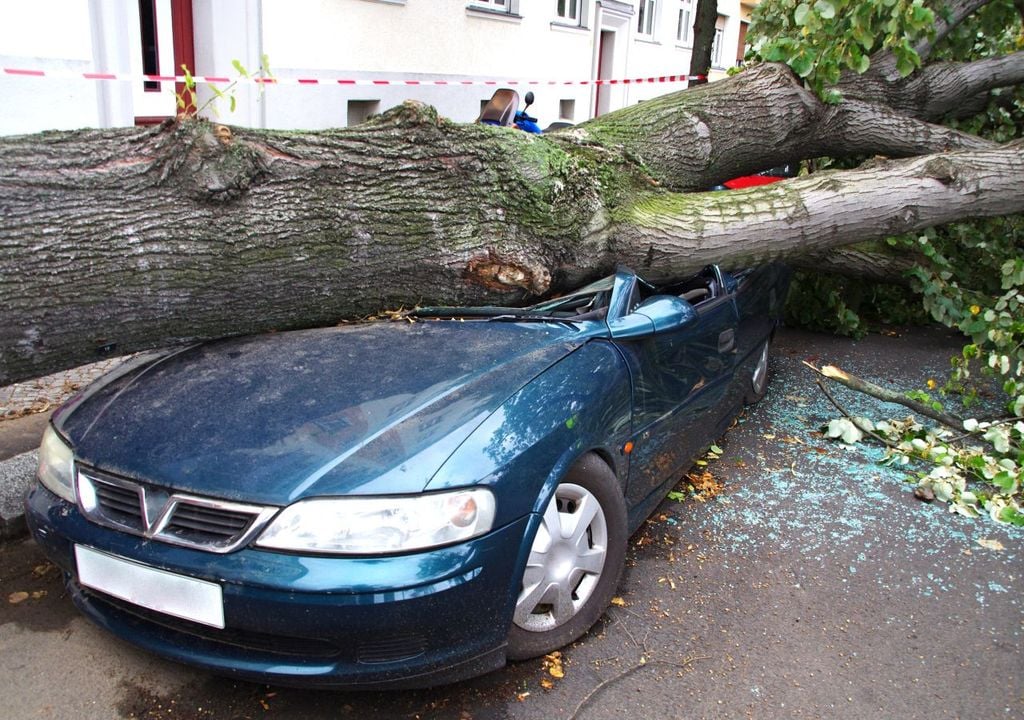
{"x": 976, "y": 466}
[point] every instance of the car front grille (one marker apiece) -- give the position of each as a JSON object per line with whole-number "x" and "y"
{"x": 193, "y": 521}
{"x": 391, "y": 649}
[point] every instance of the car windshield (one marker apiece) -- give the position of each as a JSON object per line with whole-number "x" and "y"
{"x": 588, "y": 303}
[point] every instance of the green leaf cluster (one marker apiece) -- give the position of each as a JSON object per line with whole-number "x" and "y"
{"x": 819, "y": 39}
{"x": 187, "y": 98}
{"x": 991, "y": 317}
{"x": 826, "y": 302}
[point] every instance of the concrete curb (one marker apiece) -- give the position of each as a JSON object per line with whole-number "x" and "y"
{"x": 16, "y": 476}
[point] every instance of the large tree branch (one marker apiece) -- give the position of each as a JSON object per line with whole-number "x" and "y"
{"x": 862, "y": 262}
{"x": 695, "y": 139}
{"x": 936, "y": 90}
{"x": 956, "y": 12}
{"x": 854, "y": 128}
{"x": 819, "y": 211}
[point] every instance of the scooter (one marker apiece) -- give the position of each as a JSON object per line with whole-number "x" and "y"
{"x": 503, "y": 110}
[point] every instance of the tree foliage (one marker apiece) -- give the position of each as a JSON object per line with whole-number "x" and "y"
{"x": 820, "y": 39}
{"x": 970, "y": 275}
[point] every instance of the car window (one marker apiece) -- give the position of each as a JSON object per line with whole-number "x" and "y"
{"x": 698, "y": 289}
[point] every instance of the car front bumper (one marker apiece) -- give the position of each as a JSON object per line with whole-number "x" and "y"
{"x": 406, "y": 621}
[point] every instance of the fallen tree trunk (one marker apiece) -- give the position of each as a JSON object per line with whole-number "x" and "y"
{"x": 115, "y": 241}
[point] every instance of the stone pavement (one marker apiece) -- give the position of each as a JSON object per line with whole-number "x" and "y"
{"x": 24, "y": 411}
{"x": 44, "y": 393}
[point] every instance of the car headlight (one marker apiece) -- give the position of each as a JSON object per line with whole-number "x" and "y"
{"x": 56, "y": 465}
{"x": 373, "y": 525}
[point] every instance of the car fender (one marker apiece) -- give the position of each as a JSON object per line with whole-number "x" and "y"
{"x": 578, "y": 405}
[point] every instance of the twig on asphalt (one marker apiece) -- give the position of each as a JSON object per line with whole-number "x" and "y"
{"x": 854, "y": 383}
{"x": 644, "y": 662}
{"x": 876, "y": 391}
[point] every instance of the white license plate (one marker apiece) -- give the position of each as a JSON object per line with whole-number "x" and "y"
{"x": 183, "y": 597}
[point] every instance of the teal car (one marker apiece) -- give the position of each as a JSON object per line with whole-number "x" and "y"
{"x": 394, "y": 504}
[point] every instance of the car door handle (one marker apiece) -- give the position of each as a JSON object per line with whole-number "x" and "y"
{"x": 727, "y": 341}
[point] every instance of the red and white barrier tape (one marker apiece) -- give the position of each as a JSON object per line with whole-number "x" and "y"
{"x": 212, "y": 80}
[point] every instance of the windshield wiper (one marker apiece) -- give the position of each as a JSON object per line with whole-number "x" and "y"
{"x": 527, "y": 317}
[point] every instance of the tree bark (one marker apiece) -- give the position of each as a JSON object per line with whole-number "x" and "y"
{"x": 120, "y": 240}
{"x": 863, "y": 262}
{"x": 956, "y": 11}
{"x": 760, "y": 118}
{"x": 937, "y": 90}
{"x": 704, "y": 17}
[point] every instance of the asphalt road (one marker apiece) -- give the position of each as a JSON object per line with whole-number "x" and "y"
{"x": 813, "y": 585}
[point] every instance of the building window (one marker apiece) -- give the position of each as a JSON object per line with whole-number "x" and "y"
{"x": 684, "y": 27}
{"x": 502, "y": 6}
{"x": 359, "y": 111}
{"x": 716, "y": 48}
{"x": 569, "y": 11}
{"x": 645, "y": 18}
{"x": 150, "y": 50}
{"x": 508, "y": 8}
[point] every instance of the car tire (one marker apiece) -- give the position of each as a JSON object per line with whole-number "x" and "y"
{"x": 757, "y": 384}
{"x": 575, "y": 562}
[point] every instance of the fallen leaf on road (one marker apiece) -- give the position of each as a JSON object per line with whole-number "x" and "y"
{"x": 553, "y": 664}
{"x": 16, "y": 597}
{"x": 991, "y": 544}
{"x": 618, "y": 602}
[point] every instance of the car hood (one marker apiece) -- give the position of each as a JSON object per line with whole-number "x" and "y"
{"x": 361, "y": 409}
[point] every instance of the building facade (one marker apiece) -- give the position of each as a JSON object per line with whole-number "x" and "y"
{"x": 559, "y": 43}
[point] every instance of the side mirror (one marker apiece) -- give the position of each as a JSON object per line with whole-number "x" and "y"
{"x": 655, "y": 315}
{"x": 529, "y": 99}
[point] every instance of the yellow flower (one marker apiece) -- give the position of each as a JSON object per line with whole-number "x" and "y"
{"x": 931, "y": 384}
{"x": 975, "y": 309}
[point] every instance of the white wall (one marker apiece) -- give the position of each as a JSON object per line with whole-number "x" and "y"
{"x": 329, "y": 39}
{"x": 29, "y": 38}
{"x": 69, "y": 36}
{"x": 417, "y": 40}
{"x": 663, "y": 55}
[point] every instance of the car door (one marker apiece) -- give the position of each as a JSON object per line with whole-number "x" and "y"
{"x": 680, "y": 379}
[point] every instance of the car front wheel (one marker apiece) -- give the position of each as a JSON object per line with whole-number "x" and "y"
{"x": 575, "y": 562}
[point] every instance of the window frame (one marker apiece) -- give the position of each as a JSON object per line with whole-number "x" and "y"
{"x": 565, "y": 17}
{"x": 647, "y": 14}
{"x": 684, "y": 30}
{"x": 716, "y": 47}
{"x": 497, "y": 7}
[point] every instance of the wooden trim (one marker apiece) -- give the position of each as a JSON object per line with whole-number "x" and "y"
{"x": 144, "y": 120}
{"x": 184, "y": 45}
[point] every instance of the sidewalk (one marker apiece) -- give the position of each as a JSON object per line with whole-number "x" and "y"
{"x": 25, "y": 409}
